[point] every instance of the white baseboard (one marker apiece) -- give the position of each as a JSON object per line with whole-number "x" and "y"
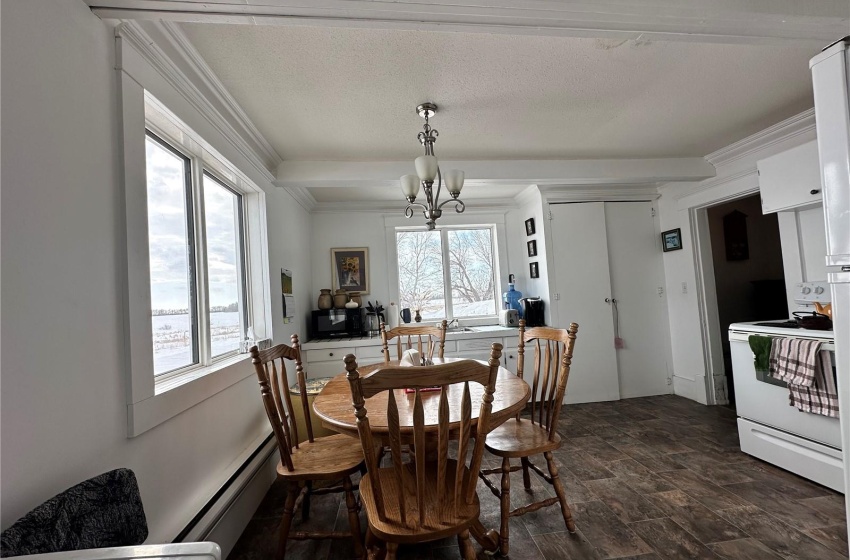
{"x": 693, "y": 389}
{"x": 227, "y": 515}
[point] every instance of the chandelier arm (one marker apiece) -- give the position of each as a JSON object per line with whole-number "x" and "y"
{"x": 439, "y": 185}
{"x": 459, "y": 205}
{"x": 408, "y": 212}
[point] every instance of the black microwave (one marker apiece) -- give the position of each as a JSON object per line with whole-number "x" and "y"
{"x": 327, "y": 323}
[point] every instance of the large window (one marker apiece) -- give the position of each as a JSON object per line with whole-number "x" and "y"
{"x": 447, "y": 273}
{"x": 197, "y": 265}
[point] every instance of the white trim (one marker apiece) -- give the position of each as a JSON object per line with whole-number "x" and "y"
{"x": 303, "y": 197}
{"x": 753, "y": 22}
{"x": 603, "y": 193}
{"x": 150, "y": 52}
{"x": 781, "y": 131}
{"x": 152, "y": 401}
{"x": 199, "y": 66}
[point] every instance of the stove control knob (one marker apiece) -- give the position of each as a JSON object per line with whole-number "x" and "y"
{"x": 819, "y": 290}
{"x": 806, "y": 290}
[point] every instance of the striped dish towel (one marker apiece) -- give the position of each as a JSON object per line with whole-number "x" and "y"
{"x": 808, "y": 372}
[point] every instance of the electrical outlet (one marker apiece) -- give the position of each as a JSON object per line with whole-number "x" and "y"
{"x": 557, "y": 296}
{"x": 684, "y": 287}
{"x": 660, "y": 291}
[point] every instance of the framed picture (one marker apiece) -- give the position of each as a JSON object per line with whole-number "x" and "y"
{"x": 533, "y": 271}
{"x": 671, "y": 240}
{"x": 532, "y": 248}
{"x": 529, "y": 226}
{"x": 350, "y": 269}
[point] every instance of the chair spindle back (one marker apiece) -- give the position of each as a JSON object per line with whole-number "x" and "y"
{"x": 553, "y": 355}
{"x": 274, "y": 389}
{"x": 394, "y": 380}
{"x": 434, "y": 338}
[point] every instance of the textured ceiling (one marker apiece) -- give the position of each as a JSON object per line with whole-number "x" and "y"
{"x": 320, "y": 93}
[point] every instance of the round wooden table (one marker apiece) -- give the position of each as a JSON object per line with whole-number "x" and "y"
{"x": 333, "y": 404}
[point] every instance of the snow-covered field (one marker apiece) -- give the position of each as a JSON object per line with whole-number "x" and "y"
{"x": 172, "y": 341}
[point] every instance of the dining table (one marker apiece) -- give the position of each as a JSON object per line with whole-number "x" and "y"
{"x": 333, "y": 405}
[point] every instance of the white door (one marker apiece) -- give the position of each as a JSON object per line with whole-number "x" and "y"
{"x": 581, "y": 277}
{"x": 636, "y": 271}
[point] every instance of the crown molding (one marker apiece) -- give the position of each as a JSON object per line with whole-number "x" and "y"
{"x": 302, "y": 196}
{"x": 757, "y": 22}
{"x": 712, "y": 183}
{"x": 781, "y": 131}
{"x": 141, "y": 42}
{"x": 566, "y": 193}
{"x": 199, "y": 66}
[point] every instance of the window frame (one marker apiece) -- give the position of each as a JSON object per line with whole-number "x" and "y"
{"x": 496, "y": 226}
{"x": 200, "y": 167}
{"x": 152, "y": 400}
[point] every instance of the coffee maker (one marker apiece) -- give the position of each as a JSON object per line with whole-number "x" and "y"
{"x": 532, "y": 311}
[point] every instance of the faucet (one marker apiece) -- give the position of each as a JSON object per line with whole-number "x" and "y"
{"x": 454, "y": 322}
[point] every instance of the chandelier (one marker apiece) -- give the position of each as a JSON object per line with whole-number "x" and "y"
{"x": 427, "y": 170}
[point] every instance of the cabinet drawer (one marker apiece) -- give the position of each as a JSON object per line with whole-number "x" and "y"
{"x": 477, "y": 344}
{"x": 331, "y": 354}
{"x": 363, "y": 352}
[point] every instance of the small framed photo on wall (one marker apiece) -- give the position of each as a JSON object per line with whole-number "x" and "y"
{"x": 532, "y": 248}
{"x": 533, "y": 271}
{"x": 671, "y": 240}
{"x": 529, "y": 227}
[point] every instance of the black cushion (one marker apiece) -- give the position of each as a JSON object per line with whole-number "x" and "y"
{"x": 103, "y": 511}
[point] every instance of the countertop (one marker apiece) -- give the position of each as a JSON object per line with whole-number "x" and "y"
{"x": 489, "y": 331}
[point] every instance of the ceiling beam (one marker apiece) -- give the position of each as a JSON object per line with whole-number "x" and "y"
{"x": 811, "y": 22}
{"x": 312, "y": 174}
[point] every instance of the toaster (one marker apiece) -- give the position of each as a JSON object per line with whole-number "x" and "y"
{"x": 508, "y": 317}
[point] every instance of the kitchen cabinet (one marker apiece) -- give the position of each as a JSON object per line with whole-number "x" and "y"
{"x": 790, "y": 179}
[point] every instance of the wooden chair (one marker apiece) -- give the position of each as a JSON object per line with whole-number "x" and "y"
{"x": 424, "y": 499}
{"x": 521, "y": 438}
{"x": 331, "y": 458}
{"x": 435, "y": 337}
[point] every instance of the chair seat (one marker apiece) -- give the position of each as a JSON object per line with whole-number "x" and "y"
{"x": 327, "y": 457}
{"x": 440, "y": 518}
{"x": 520, "y": 438}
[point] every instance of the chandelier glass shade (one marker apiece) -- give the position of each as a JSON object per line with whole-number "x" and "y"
{"x": 427, "y": 174}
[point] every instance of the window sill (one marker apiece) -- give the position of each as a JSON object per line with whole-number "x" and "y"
{"x": 178, "y": 394}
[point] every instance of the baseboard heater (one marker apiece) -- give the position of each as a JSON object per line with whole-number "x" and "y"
{"x": 214, "y": 510}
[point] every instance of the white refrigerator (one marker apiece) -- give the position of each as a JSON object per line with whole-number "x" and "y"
{"x": 830, "y": 74}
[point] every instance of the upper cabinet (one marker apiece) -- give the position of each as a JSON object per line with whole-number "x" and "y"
{"x": 790, "y": 179}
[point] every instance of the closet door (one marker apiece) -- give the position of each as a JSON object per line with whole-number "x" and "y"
{"x": 582, "y": 278}
{"x": 636, "y": 272}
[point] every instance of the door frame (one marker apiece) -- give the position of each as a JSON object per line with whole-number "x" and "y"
{"x": 712, "y": 336}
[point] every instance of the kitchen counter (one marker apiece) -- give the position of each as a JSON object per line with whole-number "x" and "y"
{"x": 488, "y": 331}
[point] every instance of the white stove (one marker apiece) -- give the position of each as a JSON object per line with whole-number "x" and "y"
{"x": 770, "y": 428}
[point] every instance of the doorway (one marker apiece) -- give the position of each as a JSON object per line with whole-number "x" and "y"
{"x": 749, "y": 278}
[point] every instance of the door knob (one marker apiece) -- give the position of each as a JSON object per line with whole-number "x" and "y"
{"x": 814, "y": 191}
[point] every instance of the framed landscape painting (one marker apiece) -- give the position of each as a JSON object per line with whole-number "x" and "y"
{"x": 350, "y": 269}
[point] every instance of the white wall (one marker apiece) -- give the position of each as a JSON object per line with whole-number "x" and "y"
{"x": 64, "y": 413}
{"x": 531, "y": 206}
{"x": 679, "y": 204}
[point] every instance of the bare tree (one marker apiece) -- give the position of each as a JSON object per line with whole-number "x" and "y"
{"x": 471, "y": 264}
{"x": 420, "y": 276}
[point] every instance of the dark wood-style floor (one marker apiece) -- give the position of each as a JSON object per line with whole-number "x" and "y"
{"x": 649, "y": 478}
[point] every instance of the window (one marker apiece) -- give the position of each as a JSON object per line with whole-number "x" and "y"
{"x": 197, "y": 282}
{"x": 447, "y": 273}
